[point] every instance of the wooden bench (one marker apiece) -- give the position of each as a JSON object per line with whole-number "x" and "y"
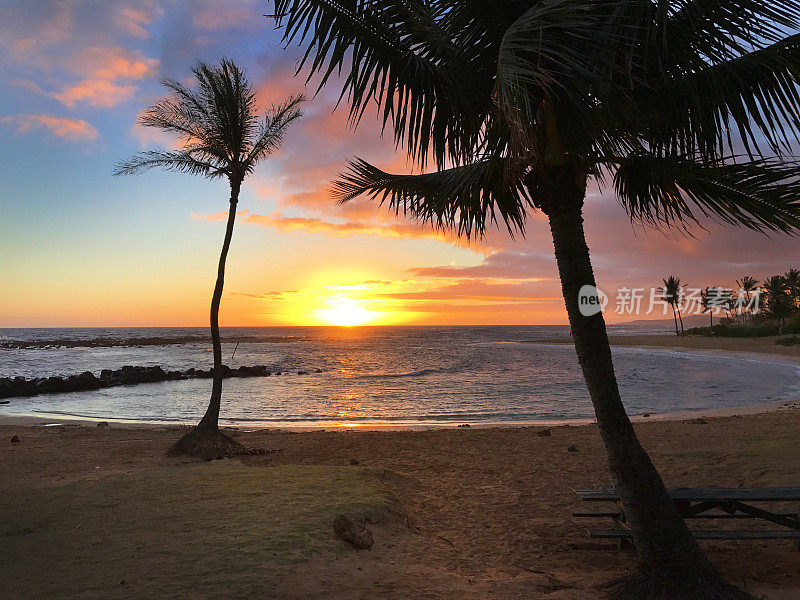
{"x": 706, "y": 503}
{"x": 717, "y": 534}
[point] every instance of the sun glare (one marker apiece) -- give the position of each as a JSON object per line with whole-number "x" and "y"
{"x": 345, "y": 312}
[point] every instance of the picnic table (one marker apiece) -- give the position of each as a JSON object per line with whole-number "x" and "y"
{"x": 706, "y": 503}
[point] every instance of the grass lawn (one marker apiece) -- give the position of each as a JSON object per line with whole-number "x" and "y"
{"x": 205, "y": 530}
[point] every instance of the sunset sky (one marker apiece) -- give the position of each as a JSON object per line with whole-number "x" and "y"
{"x": 79, "y": 247}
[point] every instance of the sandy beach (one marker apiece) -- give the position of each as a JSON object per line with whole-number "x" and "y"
{"x": 721, "y": 345}
{"x": 99, "y": 512}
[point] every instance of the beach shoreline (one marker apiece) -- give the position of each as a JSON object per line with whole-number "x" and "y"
{"x": 58, "y": 420}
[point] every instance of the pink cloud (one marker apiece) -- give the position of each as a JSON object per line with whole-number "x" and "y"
{"x": 117, "y": 63}
{"x": 278, "y": 85}
{"x": 95, "y": 92}
{"x": 507, "y": 264}
{"x": 104, "y": 67}
{"x": 69, "y": 129}
{"x": 482, "y": 290}
{"x": 133, "y": 21}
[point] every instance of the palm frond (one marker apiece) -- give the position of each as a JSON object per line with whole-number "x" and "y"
{"x": 463, "y": 198}
{"x": 273, "y": 129}
{"x": 763, "y": 194}
{"x": 229, "y": 99}
{"x": 719, "y": 30}
{"x": 172, "y": 161}
{"x": 753, "y": 98}
{"x": 431, "y": 83}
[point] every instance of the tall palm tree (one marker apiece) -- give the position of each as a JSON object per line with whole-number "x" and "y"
{"x": 672, "y": 293}
{"x": 222, "y": 135}
{"x": 517, "y": 104}
{"x": 792, "y": 278}
{"x": 708, "y": 306}
{"x": 748, "y": 285}
{"x": 779, "y": 301}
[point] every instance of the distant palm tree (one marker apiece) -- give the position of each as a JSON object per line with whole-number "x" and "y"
{"x": 792, "y": 278}
{"x": 518, "y": 104}
{"x": 748, "y": 285}
{"x": 672, "y": 292}
{"x": 708, "y": 306}
{"x": 779, "y": 302}
{"x": 221, "y": 135}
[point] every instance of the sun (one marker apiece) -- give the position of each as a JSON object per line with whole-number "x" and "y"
{"x": 345, "y": 312}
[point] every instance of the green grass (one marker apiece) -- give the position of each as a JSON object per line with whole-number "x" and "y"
{"x": 207, "y": 530}
{"x": 792, "y": 340}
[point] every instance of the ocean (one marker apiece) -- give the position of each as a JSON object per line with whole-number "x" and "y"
{"x": 377, "y": 375}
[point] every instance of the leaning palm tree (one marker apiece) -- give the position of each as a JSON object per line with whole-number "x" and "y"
{"x": 221, "y": 135}
{"x": 672, "y": 292}
{"x": 518, "y": 104}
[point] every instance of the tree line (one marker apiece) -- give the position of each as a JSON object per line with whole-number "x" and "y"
{"x": 752, "y": 302}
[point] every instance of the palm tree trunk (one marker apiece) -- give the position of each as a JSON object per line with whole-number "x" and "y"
{"x": 206, "y": 440}
{"x": 211, "y": 418}
{"x": 675, "y": 318}
{"x": 680, "y": 318}
{"x": 671, "y": 564}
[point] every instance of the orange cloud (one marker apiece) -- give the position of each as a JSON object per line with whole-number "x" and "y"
{"x": 314, "y": 225}
{"x": 104, "y": 66}
{"x": 69, "y": 129}
{"x": 219, "y": 216}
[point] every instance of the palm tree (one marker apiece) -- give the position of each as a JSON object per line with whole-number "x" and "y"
{"x": 221, "y": 136}
{"x": 708, "y": 306}
{"x": 672, "y": 293}
{"x": 792, "y": 278}
{"x": 779, "y": 302}
{"x": 748, "y": 285}
{"x": 517, "y": 104}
